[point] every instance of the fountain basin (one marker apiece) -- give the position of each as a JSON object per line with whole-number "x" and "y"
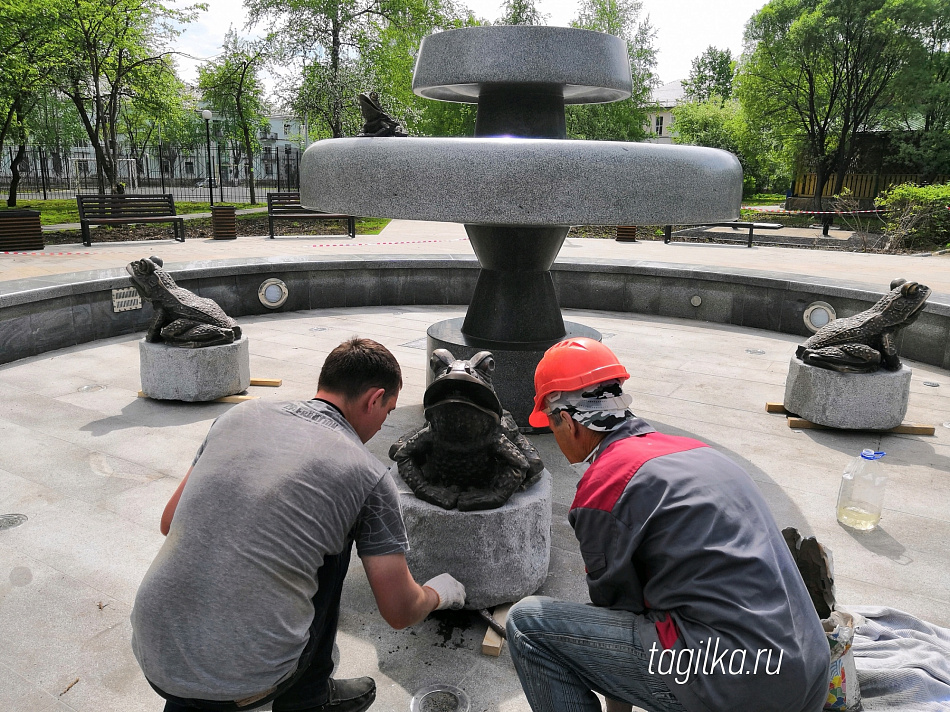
{"x": 581, "y": 66}
{"x": 518, "y": 181}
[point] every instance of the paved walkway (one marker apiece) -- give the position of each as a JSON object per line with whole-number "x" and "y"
{"x": 431, "y": 238}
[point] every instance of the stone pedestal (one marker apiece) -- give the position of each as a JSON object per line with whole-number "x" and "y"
{"x": 515, "y": 362}
{"x": 203, "y": 374}
{"x": 499, "y": 555}
{"x": 852, "y": 401}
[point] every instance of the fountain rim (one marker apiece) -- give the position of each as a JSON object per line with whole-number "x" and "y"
{"x": 522, "y": 181}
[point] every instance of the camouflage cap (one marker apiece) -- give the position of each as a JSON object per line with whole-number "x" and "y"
{"x": 603, "y": 407}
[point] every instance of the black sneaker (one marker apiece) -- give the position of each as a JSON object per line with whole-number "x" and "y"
{"x": 353, "y": 695}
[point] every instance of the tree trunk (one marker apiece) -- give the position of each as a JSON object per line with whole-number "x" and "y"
{"x": 15, "y": 175}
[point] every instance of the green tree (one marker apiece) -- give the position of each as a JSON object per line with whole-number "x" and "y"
{"x": 719, "y": 124}
{"x": 325, "y": 40}
{"x": 231, "y": 87}
{"x": 160, "y": 98}
{"x": 387, "y": 64}
{"x": 620, "y": 120}
{"x": 923, "y": 125}
{"x": 823, "y": 71}
{"x": 109, "y": 49}
{"x": 521, "y": 12}
{"x": 28, "y": 56}
{"x": 711, "y": 75}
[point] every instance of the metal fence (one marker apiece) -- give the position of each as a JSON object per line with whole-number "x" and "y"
{"x": 47, "y": 173}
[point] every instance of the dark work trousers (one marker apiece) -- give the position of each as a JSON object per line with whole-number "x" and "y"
{"x": 307, "y": 687}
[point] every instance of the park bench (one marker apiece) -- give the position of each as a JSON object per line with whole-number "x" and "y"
{"x": 281, "y": 206}
{"x": 735, "y": 225}
{"x": 127, "y": 209}
{"x": 20, "y": 230}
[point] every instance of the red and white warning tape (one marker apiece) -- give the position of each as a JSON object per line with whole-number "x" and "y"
{"x": 45, "y": 254}
{"x": 370, "y": 244}
{"x": 783, "y": 211}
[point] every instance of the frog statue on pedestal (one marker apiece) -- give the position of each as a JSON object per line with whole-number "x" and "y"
{"x": 866, "y": 342}
{"x": 470, "y": 453}
{"x": 182, "y": 318}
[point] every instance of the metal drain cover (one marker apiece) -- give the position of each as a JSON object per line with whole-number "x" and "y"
{"x": 931, "y": 384}
{"x": 8, "y": 521}
{"x": 439, "y": 698}
{"x": 755, "y": 352}
{"x": 91, "y": 388}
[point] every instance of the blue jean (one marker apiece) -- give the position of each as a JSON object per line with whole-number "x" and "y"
{"x": 307, "y": 687}
{"x": 564, "y": 652}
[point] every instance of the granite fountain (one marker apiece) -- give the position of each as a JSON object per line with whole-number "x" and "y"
{"x": 519, "y": 184}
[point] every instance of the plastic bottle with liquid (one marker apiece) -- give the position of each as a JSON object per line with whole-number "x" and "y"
{"x": 861, "y": 495}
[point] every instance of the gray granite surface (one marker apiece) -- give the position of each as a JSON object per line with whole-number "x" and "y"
{"x": 518, "y": 181}
{"x": 850, "y": 401}
{"x": 203, "y": 374}
{"x": 505, "y": 551}
{"x": 592, "y": 67}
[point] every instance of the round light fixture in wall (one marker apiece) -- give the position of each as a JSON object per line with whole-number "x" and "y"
{"x": 818, "y": 314}
{"x": 272, "y": 293}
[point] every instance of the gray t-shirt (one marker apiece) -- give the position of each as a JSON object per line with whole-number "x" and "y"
{"x": 223, "y": 613}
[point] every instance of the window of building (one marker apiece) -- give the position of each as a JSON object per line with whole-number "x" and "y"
{"x": 267, "y": 155}
{"x": 268, "y": 169}
{"x": 659, "y": 125}
{"x": 287, "y": 128}
{"x": 189, "y": 168}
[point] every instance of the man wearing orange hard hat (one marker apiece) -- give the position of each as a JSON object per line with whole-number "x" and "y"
{"x": 698, "y": 604}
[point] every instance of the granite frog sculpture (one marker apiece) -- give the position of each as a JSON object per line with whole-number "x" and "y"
{"x": 182, "y": 318}
{"x": 470, "y": 453}
{"x": 865, "y": 342}
{"x": 377, "y": 122}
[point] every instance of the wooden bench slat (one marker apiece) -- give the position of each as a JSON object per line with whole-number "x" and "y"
{"x": 128, "y": 209}
{"x": 286, "y": 205}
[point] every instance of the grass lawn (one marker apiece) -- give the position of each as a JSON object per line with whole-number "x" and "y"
{"x": 764, "y": 199}
{"x": 54, "y": 212}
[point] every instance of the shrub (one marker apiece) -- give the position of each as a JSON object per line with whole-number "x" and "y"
{"x": 916, "y": 215}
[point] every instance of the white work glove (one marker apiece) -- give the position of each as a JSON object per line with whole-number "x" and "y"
{"x": 450, "y": 592}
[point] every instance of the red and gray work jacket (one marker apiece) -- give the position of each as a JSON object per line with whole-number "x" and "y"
{"x": 678, "y": 533}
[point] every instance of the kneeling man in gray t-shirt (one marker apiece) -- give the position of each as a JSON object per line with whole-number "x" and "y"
{"x": 240, "y": 607}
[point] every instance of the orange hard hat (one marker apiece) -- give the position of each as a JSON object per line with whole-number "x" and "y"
{"x": 570, "y": 365}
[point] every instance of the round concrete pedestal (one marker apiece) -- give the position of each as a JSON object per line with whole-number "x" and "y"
{"x": 203, "y": 374}
{"x": 515, "y": 363}
{"x": 852, "y": 401}
{"x": 500, "y": 555}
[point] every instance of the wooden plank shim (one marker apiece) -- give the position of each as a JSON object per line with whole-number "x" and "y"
{"x": 903, "y": 429}
{"x": 266, "y": 382}
{"x": 795, "y": 421}
{"x": 493, "y": 643}
{"x": 226, "y": 399}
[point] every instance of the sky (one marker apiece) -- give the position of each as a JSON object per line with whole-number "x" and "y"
{"x": 684, "y": 28}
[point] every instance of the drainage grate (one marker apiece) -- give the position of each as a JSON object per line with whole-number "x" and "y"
{"x": 931, "y": 384}
{"x": 420, "y": 344}
{"x": 125, "y": 299}
{"x": 319, "y": 328}
{"x": 439, "y": 698}
{"x": 8, "y": 521}
{"x": 607, "y": 335}
{"x": 755, "y": 352}
{"x": 91, "y": 388}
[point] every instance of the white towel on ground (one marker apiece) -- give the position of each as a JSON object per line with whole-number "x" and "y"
{"x": 903, "y": 662}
